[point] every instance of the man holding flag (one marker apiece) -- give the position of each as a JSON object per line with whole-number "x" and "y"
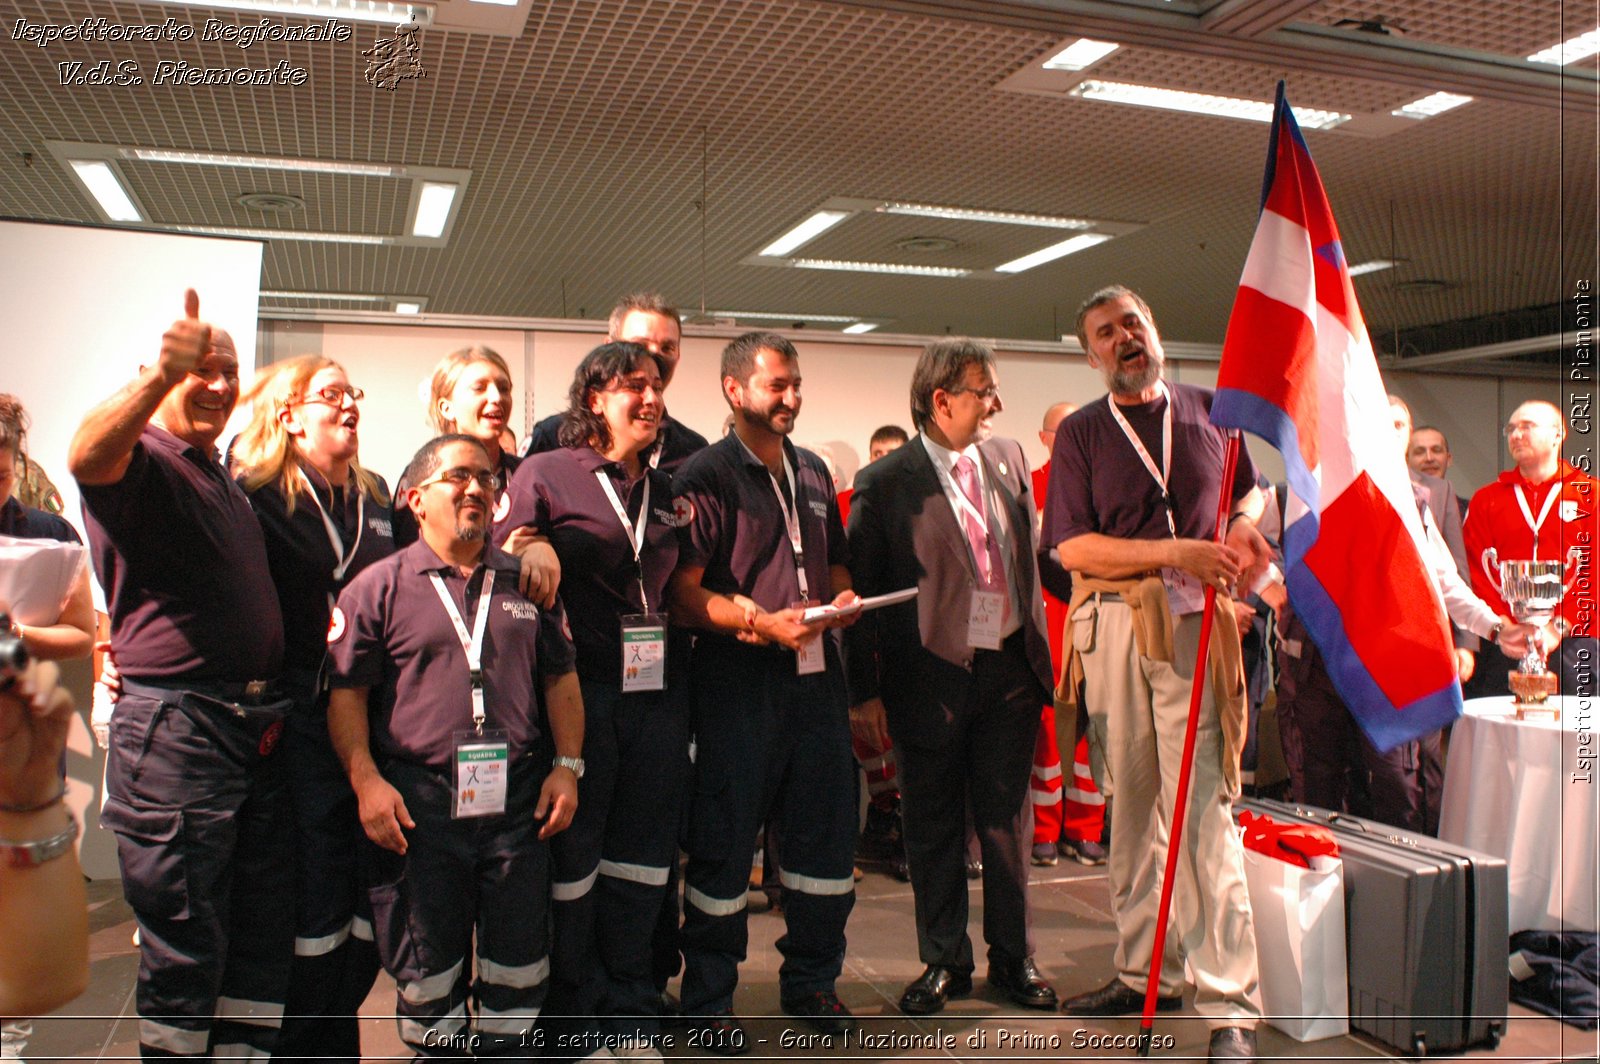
{"x": 1134, "y": 493}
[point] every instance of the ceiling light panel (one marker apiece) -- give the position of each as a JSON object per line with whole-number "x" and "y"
{"x": 1053, "y": 252}
{"x": 260, "y": 162}
{"x": 345, "y": 201}
{"x": 969, "y": 214}
{"x": 1569, "y": 51}
{"x": 354, "y": 10}
{"x": 107, "y": 189}
{"x": 1373, "y": 266}
{"x": 878, "y": 267}
{"x": 805, "y": 232}
{"x": 1201, "y": 103}
{"x": 1428, "y": 106}
{"x": 1081, "y": 53}
{"x": 304, "y": 235}
{"x": 434, "y": 210}
{"x": 859, "y": 327}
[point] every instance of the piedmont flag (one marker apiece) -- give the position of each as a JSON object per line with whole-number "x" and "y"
{"x": 1298, "y": 371}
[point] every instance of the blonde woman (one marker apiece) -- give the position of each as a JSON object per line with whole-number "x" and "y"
{"x": 325, "y": 519}
{"x": 470, "y": 393}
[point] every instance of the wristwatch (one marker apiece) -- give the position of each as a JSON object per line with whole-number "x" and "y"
{"x": 573, "y": 763}
{"x": 34, "y": 854}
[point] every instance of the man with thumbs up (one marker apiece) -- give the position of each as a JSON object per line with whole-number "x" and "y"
{"x": 194, "y": 793}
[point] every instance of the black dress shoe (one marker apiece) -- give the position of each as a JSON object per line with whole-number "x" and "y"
{"x": 1116, "y": 998}
{"x": 930, "y": 990}
{"x": 823, "y": 1010}
{"x": 1232, "y": 1043}
{"x": 1022, "y": 982}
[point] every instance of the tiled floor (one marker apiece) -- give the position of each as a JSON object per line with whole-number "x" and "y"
{"x": 1072, "y": 926}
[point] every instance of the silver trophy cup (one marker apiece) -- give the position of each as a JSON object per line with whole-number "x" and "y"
{"x": 1533, "y": 591}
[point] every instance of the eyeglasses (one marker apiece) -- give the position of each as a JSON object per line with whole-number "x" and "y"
{"x": 633, "y": 385}
{"x": 333, "y": 395}
{"x": 1523, "y": 427}
{"x": 461, "y": 476}
{"x": 985, "y": 394}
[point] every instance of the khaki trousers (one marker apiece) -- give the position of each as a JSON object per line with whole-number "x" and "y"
{"x": 1138, "y": 711}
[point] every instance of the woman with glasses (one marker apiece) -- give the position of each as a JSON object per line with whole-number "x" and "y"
{"x": 609, "y": 517}
{"x": 325, "y": 519}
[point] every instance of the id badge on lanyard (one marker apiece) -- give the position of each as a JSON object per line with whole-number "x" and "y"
{"x": 985, "y": 616}
{"x": 1184, "y": 591}
{"x": 482, "y": 763}
{"x": 810, "y": 658}
{"x": 481, "y": 759}
{"x": 644, "y": 652}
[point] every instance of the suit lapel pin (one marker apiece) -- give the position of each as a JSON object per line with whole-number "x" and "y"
{"x": 1003, "y": 471}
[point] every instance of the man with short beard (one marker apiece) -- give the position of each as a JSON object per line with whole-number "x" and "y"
{"x": 194, "y": 793}
{"x": 438, "y": 667}
{"x": 1134, "y": 491}
{"x": 760, "y": 540}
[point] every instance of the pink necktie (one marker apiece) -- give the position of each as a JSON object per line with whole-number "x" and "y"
{"x": 985, "y": 550}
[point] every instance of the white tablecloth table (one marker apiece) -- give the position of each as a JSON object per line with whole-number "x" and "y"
{"x": 1517, "y": 789}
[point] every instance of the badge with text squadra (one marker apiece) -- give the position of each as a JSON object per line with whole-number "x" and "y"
{"x": 482, "y": 771}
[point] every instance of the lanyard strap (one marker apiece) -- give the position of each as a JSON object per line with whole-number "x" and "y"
{"x": 1544, "y": 511}
{"x": 1158, "y": 475}
{"x": 791, "y": 522}
{"x": 655, "y": 452}
{"x": 471, "y": 643}
{"x": 947, "y": 481}
{"x": 635, "y": 533}
{"x": 336, "y": 541}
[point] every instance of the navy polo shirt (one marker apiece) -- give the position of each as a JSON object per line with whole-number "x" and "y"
{"x": 24, "y": 522}
{"x": 404, "y": 522}
{"x": 184, "y": 565}
{"x": 1098, "y": 484}
{"x": 301, "y": 558}
{"x": 556, "y": 494}
{"x": 390, "y": 633}
{"x": 732, "y": 525}
{"x": 675, "y": 440}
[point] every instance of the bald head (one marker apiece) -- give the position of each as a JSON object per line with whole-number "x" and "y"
{"x": 1533, "y": 436}
{"x": 1054, "y": 415}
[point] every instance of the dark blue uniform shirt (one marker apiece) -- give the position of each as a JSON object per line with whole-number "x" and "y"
{"x": 390, "y": 633}
{"x": 556, "y": 494}
{"x": 732, "y": 525}
{"x": 184, "y": 565}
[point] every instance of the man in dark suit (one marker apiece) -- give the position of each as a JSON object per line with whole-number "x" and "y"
{"x": 958, "y": 673}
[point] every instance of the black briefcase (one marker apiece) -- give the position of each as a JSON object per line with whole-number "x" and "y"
{"x": 1426, "y": 928}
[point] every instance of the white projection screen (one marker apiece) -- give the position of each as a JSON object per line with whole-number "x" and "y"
{"x": 84, "y": 307}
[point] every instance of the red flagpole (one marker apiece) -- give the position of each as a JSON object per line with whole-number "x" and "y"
{"x": 1180, "y": 804}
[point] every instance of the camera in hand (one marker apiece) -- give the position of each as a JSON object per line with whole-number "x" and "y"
{"x": 13, "y": 652}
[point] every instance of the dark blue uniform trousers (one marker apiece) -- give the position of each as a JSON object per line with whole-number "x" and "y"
{"x": 767, "y": 742}
{"x": 335, "y": 961}
{"x": 195, "y": 796}
{"x": 478, "y": 878}
{"x": 610, "y": 869}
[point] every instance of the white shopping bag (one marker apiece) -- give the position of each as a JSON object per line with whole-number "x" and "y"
{"x": 1300, "y": 944}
